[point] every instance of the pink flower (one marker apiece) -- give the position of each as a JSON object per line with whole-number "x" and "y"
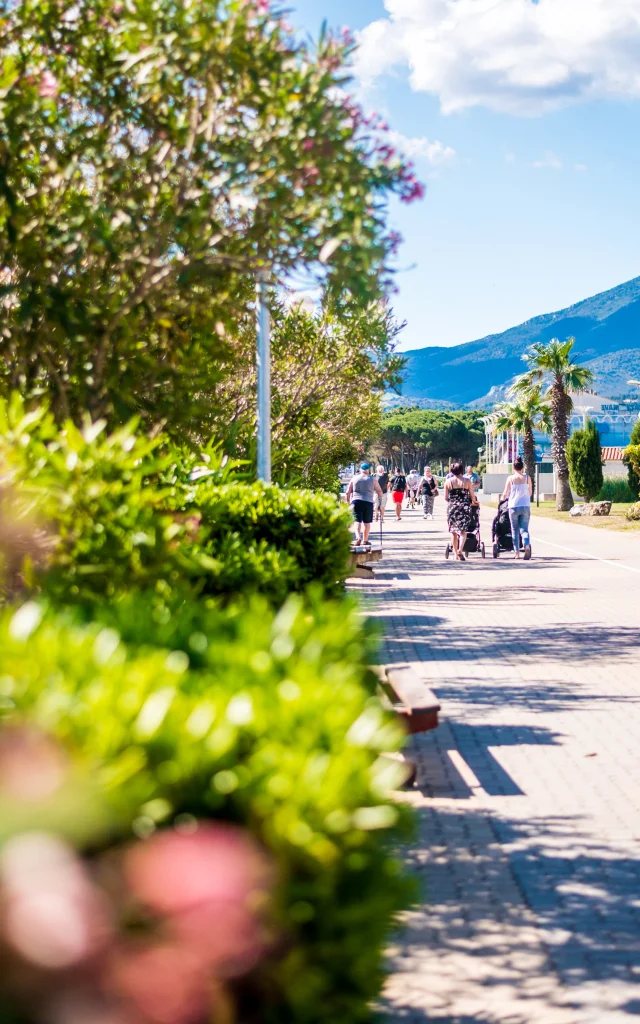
{"x": 165, "y": 983}
{"x": 32, "y": 767}
{"x": 415, "y": 190}
{"x": 48, "y": 87}
{"x": 53, "y": 914}
{"x": 208, "y": 887}
{"x": 308, "y": 144}
{"x": 263, "y": 6}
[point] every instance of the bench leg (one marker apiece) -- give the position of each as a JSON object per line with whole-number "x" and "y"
{"x": 411, "y": 770}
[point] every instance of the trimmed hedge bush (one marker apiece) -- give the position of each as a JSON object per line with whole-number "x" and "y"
{"x": 309, "y": 529}
{"x": 633, "y": 513}
{"x": 249, "y": 716}
{"x": 615, "y": 489}
{"x": 584, "y": 456}
{"x": 130, "y": 512}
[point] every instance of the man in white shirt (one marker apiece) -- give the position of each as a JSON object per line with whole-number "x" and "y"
{"x": 413, "y": 482}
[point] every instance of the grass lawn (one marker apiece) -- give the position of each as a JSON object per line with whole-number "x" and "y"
{"x": 615, "y": 521}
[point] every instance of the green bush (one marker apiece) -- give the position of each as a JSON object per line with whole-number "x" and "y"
{"x": 584, "y": 456}
{"x": 633, "y": 513}
{"x": 129, "y": 512}
{"x": 307, "y": 529}
{"x": 632, "y": 460}
{"x": 615, "y": 489}
{"x": 250, "y": 716}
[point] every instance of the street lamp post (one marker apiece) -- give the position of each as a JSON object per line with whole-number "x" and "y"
{"x": 263, "y": 365}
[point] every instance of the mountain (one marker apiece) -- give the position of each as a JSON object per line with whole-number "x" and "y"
{"x": 607, "y": 332}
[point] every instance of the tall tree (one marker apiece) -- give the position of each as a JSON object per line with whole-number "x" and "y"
{"x": 584, "y": 456}
{"x": 632, "y": 459}
{"x": 329, "y": 371}
{"x": 155, "y": 158}
{"x": 552, "y": 368}
{"x": 525, "y": 415}
{"x": 425, "y": 435}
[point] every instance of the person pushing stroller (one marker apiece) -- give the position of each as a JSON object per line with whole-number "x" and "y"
{"x": 461, "y": 514}
{"x": 517, "y": 493}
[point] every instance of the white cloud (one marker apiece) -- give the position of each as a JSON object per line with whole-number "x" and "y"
{"x": 580, "y": 167}
{"x": 436, "y": 153}
{"x": 515, "y": 56}
{"x": 510, "y": 158}
{"x": 551, "y": 161}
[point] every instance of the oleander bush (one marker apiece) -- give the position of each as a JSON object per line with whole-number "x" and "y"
{"x": 615, "y": 489}
{"x": 127, "y": 511}
{"x": 246, "y": 715}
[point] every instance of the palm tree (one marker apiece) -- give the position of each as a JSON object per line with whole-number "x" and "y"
{"x": 552, "y": 364}
{"x": 528, "y": 413}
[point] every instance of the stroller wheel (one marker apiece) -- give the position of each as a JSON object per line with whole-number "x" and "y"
{"x": 496, "y": 549}
{"x": 447, "y": 550}
{"x": 482, "y": 550}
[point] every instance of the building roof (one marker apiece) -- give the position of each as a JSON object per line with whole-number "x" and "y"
{"x": 612, "y": 454}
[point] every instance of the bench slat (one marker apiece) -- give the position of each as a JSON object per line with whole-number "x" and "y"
{"x": 418, "y": 705}
{"x": 411, "y": 688}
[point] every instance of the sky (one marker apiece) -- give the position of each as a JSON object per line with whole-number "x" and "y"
{"x": 524, "y": 118}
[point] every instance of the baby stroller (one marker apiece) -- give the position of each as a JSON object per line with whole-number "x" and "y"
{"x": 501, "y": 529}
{"x": 473, "y": 543}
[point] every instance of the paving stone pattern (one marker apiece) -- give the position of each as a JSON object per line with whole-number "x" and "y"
{"x": 528, "y": 795}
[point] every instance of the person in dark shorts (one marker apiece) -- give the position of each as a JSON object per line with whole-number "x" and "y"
{"x": 398, "y": 491}
{"x": 361, "y": 492}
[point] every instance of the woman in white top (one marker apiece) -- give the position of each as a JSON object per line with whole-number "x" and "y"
{"x": 518, "y": 490}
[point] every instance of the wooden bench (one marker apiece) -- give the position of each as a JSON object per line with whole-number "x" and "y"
{"x": 404, "y": 691}
{"x": 409, "y": 696}
{"x": 361, "y": 558}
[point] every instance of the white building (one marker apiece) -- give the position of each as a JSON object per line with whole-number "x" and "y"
{"x": 614, "y": 421}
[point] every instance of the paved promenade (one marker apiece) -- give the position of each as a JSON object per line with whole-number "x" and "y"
{"x": 529, "y": 792}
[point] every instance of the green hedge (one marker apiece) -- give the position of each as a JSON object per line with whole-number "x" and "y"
{"x": 250, "y": 716}
{"x": 308, "y": 530}
{"x": 615, "y": 489}
{"x": 130, "y": 512}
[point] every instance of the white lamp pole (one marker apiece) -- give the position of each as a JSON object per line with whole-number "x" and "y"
{"x": 263, "y": 364}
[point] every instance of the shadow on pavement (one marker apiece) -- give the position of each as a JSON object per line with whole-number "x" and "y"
{"x": 436, "y": 757}
{"x": 434, "y": 640}
{"x": 517, "y": 912}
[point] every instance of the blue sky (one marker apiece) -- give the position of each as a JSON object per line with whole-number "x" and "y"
{"x": 539, "y": 206}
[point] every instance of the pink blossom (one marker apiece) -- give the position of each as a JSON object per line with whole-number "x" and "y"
{"x": 207, "y": 887}
{"x": 263, "y": 6}
{"x": 308, "y": 144}
{"x": 48, "y": 87}
{"x": 53, "y": 914}
{"x": 165, "y": 983}
{"x": 415, "y": 190}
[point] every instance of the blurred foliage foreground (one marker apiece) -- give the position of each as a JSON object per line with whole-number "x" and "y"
{"x": 195, "y": 813}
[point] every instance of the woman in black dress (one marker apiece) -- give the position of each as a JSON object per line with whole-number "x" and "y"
{"x": 460, "y": 496}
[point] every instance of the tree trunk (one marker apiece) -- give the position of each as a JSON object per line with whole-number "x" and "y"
{"x": 529, "y": 448}
{"x": 560, "y": 431}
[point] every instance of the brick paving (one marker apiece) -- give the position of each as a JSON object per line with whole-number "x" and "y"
{"x": 528, "y": 795}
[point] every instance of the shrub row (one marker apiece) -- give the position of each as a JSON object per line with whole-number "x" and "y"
{"x": 253, "y": 716}
{"x": 615, "y": 489}
{"x": 129, "y": 512}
